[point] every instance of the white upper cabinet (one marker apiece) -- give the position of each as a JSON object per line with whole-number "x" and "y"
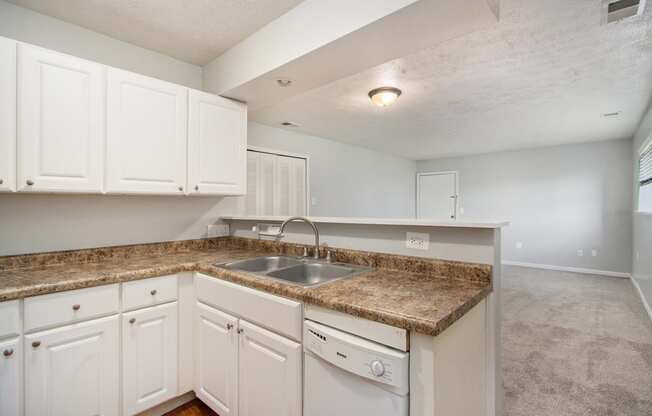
{"x": 7, "y": 115}
{"x": 149, "y": 357}
{"x": 60, "y": 122}
{"x": 146, "y": 135}
{"x": 217, "y": 145}
{"x": 74, "y": 370}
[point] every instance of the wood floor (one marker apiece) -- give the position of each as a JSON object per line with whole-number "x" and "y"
{"x": 193, "y": 408}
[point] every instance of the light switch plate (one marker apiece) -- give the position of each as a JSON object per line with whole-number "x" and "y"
{"x": 417, "y": 241}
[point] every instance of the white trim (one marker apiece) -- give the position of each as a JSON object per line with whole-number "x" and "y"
{"x": 290, "y": 154}
{"x": 640, "y": 293}
{"x": 567, "y": 269}
{"x": 410, "y": 222}
{"x": 444, "y": 172}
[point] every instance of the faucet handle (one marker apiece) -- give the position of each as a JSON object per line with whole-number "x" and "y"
{"x": 329, "y": 258}
{"x": 305, "y": 252}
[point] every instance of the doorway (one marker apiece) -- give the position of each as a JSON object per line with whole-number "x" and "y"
{"x": 437, "y": 195}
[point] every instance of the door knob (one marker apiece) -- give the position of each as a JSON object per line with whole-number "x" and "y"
{"x": 8, "y": 353}
{"x": 29, "y": 182}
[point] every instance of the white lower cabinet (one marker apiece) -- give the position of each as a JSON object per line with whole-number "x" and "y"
{"x": 11, "y": 380}
{"x": 269, "y": 373}
{"x": 73, "y": 370}
{"x": 149, "y": 354}
{"x": 242, "y": 369}
{"x": 216, "y": 359}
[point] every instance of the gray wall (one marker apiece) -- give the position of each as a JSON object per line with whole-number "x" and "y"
{"x": 558, "y": 199}
{"x": 347, "y": 181}
{"x": 31, "y": 27}
{"x": 642, "y": 256}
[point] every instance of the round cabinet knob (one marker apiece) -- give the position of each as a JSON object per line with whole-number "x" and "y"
{"x": 76, "y": 307}
{"x": 196, "y": 187}
{"x": 229, "y": 326}
{"x": 153, "y": 292}
{"x": 29, "y": 182}
{"x": 36, "y": 344}
{"x": 377, "y": 368}
{"x": 8, "y": 352}
{"x": 132, "y": 320}
{"x": 181, "y": 188}
{"x": 1, "y": 181}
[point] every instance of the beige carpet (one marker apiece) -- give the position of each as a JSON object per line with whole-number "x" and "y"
{"x": 574, "y": 345}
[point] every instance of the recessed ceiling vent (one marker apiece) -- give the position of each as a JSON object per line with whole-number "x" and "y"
{"x": 614, "y": 11}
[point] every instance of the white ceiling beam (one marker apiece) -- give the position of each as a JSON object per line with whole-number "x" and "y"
{"x": 320, "y": 41}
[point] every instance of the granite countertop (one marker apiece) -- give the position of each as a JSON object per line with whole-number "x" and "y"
{"x": 419, "y": 295}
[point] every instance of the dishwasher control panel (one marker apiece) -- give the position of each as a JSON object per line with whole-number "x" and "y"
{"x": 358, "y": 355}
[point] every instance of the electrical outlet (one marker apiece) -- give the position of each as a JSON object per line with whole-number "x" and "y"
{"x": 217, "y": 230}
{"x": 519, "y": 244}
{"x": 580, "y": 253}
{"x": 418, "y": 241}
{"x": 594, "y": 253}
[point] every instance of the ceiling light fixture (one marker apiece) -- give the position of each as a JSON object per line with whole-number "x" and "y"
{"x": 384, "y": 96}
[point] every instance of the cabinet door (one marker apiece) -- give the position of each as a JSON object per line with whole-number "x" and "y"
{"x": 11, "y": 380}
{"x": 146, "y": 135}
{"x": 7, "y": 115}
{"x": 217, "y": 145}
{"x": 60, "y": 122}
{"x": 216, "y": 359}
{"x": 149, "y": 351}
{"x": 269, "y": 373}
{"x": 73, "y": 370}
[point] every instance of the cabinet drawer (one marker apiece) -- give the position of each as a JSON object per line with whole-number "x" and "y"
{"x": 283, "y": 316}
{"x": 10, "y": 322}
{"x": 148, "y": 292}
{"x": 66, "y": 307}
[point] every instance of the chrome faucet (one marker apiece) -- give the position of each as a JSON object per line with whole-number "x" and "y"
{"x": 307, "y": 221}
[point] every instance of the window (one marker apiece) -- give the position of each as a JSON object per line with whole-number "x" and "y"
{"x": 645, "y": 180}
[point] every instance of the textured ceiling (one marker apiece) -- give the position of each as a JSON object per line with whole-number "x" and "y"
{"x": 195, "y": 31}
{"x": 542, "y": 76}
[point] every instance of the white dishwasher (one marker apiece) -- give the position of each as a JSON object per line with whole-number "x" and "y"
{"x": 346, "y": 375}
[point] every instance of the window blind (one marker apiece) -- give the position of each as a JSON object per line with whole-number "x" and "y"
{"x": 645, "y": 167}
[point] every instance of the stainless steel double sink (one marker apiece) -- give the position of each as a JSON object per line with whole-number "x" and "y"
{"x": 300, "y": 271}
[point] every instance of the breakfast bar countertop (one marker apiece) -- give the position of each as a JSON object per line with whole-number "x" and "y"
{"x": 416, "y": 294}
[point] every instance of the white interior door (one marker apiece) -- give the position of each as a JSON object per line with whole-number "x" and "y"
{"x": 7, "y": 115}
{"x": 276, "y": 184}
{"x": 437, "y": 195}
{"x": 60, "y": 122}
{"x": 217, "y": 145}
{"x": 149, "y": 339}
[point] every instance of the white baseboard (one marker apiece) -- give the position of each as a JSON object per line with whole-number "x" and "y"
{"x": 568, "y": 269}
{"x": 640, "y": 294}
